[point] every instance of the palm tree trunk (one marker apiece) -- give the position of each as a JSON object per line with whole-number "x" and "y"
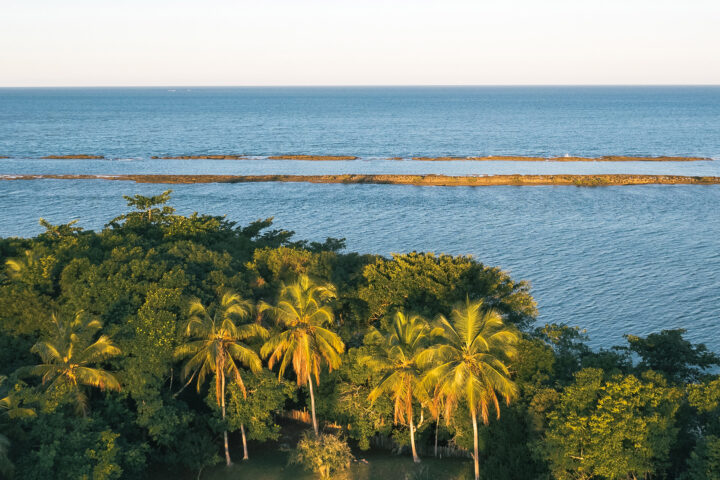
{"x": 475, "y": 435}
{"x": 245, "y": 450}
{"x": 416, "y": 459}
{"x": 312, "y": 407}
{"x": 225, "y": 435}
{"x": 437, "y": 424}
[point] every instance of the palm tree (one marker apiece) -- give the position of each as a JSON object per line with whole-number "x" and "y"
{"x": 68, "y": 356}
{"x": 395, "y": 354}
{"x": 435, "y": 406}
{"x": 17, "y": 267}
{"x": 305, "y": 341}
{"x": 471, "y": 363}
{"x": 217, "y": 345}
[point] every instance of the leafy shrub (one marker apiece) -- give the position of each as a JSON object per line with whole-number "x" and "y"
{"x": 324, "y": 454}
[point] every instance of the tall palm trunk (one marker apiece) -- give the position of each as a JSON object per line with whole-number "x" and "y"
{"x": 416, "y": 459}
{"x": 437, "y": 424}
{"x": 245, "y": 449}
{"x": 475, "y": 435}
{"x": 222, "y": 403}
{"x": 312, "y": 406}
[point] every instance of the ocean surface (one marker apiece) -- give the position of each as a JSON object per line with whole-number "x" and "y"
{"x": 367, "y": 122}
{"x": 612, "y": 260}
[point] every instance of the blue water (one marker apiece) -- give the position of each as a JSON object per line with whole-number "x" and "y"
{"x": 368, "y": 166}
{"x": 382, "y": 121}
{"x": 613, "y": 260}
{"x": 37, "y": 166}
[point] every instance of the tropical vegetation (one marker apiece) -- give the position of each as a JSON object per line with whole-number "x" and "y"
{"x": 396, "y": 353}
{"x": 216, "y": 347}
{"x": 304, "y": 338}
{"x": 472, "y": 364}
{"x": 163, "y": 342}
{"x": 324, "y": 454}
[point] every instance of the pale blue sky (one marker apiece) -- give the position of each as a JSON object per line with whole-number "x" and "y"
{"x": 362, "y": 42}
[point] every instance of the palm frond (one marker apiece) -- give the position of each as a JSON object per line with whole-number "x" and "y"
{"x": 215, "y": 344}
{"x": 47, "y": 352}
{"x": 101, "y": 349}
{"x": 95, "y": 377}
{"x": 245, "y": 355}
{"x": 471, "y": 362}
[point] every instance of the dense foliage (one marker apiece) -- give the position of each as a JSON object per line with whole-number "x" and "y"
{"x": 149, "y": 345}
{"x": 324, "y": 454}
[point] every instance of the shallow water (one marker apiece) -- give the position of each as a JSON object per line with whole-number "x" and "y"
{"x": 613, "y": 260}
{"x": 364, "y": 166}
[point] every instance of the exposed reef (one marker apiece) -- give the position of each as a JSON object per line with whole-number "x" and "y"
{"x": 418, "y": 180}
{"x": 606, "y": 158}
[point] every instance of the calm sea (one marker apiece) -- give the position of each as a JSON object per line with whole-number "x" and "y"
{"x": 613, "y": 260}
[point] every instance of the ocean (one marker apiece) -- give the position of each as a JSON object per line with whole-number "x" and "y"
{"x": 612, "y": 260}
{"x": 368, "y": 122}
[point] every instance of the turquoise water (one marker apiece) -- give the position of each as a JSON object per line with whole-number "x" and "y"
{"x": 613, "y": 260}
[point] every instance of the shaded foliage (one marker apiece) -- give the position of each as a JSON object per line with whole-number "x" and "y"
{"x": 670, "y": 354}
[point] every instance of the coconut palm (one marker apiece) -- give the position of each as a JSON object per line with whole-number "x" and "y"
{"x": 395, "y": 354}
{"x": 435, "y": 407}
{"x": 17, "y": 267}
{"x": 70, "y": 358}
{"x": 217, "y": 345}
{"x": 472, "y": 363}
{"x": 304, "y": 339}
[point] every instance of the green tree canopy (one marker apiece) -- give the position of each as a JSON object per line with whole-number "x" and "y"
{"x": 669, "y": 353}
{"x": 432, "y": 284}
{"x": 623, "y": 427}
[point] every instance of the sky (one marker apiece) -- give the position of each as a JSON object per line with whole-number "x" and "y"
{"x": 360, "y": 42}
